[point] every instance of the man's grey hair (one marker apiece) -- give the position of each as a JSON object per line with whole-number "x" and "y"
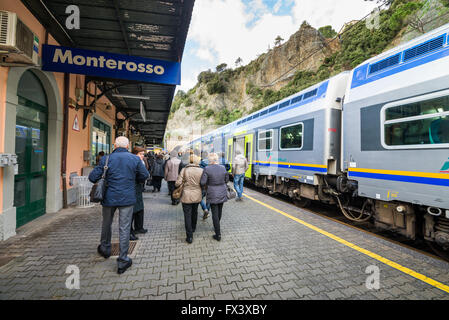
{"x": 213, "y": 158}
{"x": 238, "y": 152}
{"x": 121, "y": 142}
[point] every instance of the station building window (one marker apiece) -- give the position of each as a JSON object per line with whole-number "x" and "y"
{"x": 291, "y": 136}
{"x": 417, "y": 123}
{"x": 265, "y": 140}
{"x": 101, "y": 140}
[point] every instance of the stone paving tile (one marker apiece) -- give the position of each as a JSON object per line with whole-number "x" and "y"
{"x": 261, "y": 256}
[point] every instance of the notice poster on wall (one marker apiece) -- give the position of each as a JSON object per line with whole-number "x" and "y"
{"x": 76, "y": 124}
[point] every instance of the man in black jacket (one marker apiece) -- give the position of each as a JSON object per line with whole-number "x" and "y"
{"x": 124, "y": 169}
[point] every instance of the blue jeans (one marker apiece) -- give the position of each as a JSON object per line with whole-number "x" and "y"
{"x": 238, "y": 184}
{"x": 204, "y": 205}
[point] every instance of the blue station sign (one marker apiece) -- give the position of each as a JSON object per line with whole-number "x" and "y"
{"x": 109, "y": 65}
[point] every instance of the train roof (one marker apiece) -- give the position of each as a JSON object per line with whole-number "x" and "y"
{"x": 421, "y": 50}
{"x": 303, "y": 97}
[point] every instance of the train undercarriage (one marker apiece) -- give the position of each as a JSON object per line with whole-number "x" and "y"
{"x": 412, "y": 221}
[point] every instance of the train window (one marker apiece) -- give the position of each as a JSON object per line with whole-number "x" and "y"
{"x": 291, "y": 136}
{"x": 265, "y": 141}
{"x": 310, "y": 94}
{"x": 284, "y": 104}
{"x": 417, "y": 123}
{"x": 256, "y": 116}
{"x": 272, "y": 109}
{"x": 297, "y": 99}
{"x": 264, "y": 112}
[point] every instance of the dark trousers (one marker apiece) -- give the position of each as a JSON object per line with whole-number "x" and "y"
{"x": 171, "y": 188}
{"x": 217, "y": 209}
{"x": 157, "y": 181}
{"x": 137, "y": 221}
{"x": 125, "y": 217}
{"x": 190, "y": 217}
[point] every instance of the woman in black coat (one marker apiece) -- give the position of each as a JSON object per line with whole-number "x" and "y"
{"x": 215, "y": 179}
{"x": 138, "y": 210}
{"x": 157, "y": 172}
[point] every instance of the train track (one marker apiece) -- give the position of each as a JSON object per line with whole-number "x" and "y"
{"x": 332, "y": 212}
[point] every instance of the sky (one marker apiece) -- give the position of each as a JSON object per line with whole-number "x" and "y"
{"x": 223, "y": 30}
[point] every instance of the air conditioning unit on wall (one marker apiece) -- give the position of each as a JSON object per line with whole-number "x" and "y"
{"x": 18, "y": 44}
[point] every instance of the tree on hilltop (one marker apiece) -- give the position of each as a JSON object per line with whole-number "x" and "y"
{"x": 221, "y": 67}
{"x": 278, "y": 40}
{"x": 327, "y": 32}
{"x": 238, "y": 62}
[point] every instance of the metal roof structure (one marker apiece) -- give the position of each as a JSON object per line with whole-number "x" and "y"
{"x": 144, "y": 28}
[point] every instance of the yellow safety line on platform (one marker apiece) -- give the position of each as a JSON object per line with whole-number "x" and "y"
{"x": 373, "y": 255}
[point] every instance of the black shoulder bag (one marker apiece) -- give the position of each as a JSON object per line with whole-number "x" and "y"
{"x": 99, "y": 188}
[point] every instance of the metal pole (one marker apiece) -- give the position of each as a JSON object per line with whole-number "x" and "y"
{"x": 65, "y": 139}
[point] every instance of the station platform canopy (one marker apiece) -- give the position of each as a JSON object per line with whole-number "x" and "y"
{"x": 148, "y": 29}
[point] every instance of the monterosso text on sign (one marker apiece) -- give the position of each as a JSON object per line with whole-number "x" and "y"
{"x": 109, "y": 65}
{"x": 101, "y": 62}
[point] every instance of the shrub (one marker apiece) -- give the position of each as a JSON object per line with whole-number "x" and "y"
{"x": 327, "y": 32}
{"x": 206, "y": 76}
{"x": 216, "y": 86}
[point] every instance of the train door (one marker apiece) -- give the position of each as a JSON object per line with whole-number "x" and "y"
{"x": 244, "y": 144}
{"x": 239, "y": 145}
{"x": 229, "y": 152}
{"x": 249, "y": 154}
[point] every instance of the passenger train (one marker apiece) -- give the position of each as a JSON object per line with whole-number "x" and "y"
{"x": 373, "y": 140}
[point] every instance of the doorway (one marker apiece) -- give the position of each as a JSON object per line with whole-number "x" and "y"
{"x": 31, "y": 150}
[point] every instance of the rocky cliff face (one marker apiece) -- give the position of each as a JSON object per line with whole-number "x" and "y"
{"x": 305, "y": 50}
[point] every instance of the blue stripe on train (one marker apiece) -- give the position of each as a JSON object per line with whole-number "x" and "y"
{"x": 292, "y": 167}
{"x": 392, "y": 177}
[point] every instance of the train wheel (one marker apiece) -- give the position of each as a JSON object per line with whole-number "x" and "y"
{"x": 302, "y": 203}
{"x": 438, "y": 250}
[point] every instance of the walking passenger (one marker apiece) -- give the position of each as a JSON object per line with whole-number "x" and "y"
{"x": 204, "y": 204}
{"x": 185, "y": 158}
{"x": 99, "y": 156}
{"x": 150, "y": 161}
{"x": 190, "y": 176}
{"x": 171, "y": 174}
{"x": 238, "y": 170}
{"x": 215, "y": 179}
{"x": 124, "y": 170}
{"x": 138, "y": 211}
{"x": 224, "y": 162}
{"x": 157, "y": 172}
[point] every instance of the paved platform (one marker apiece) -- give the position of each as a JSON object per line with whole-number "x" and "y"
{"x": 269, "y": 250}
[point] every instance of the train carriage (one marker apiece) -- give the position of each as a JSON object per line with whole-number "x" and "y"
{"x": 396, "y": 135}
{"x": 373, "y": 140}
{"x": 294, "y": 142}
